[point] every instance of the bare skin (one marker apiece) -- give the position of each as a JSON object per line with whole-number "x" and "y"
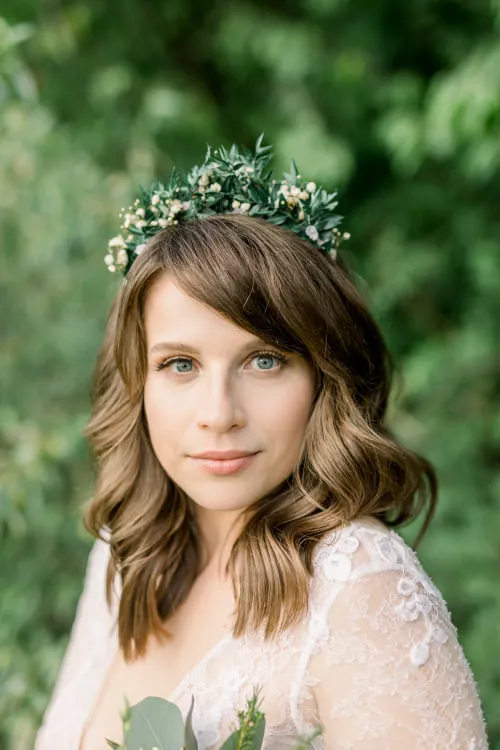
{"x": 197, "y": 626}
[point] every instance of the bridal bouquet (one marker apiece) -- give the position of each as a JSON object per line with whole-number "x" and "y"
{"x": 157, "y": 724}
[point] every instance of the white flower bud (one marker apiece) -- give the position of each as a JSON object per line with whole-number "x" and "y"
{"x": 311, "y": 187}
{"x": 312, "y": 233}
{"x": 301, "y": 215}
{"x": 117, "y": 241}
{"x": 140, "y": 248}
{"x": 112, "y": 269}
{"x": 122, "y": 258}
{"x": 140, "y": 212}
{"x": 108, "y": 259}
{"x": 155, "y": 200}
{"x": 294, "y": 190}
{"x": 304, "y": 195}
{"x": 245, "y": 207}
{"x": 163, "y": 223}
{"x": 175, "y": 207}
{"x": 236, "y": 204}
{"x": 140, "y": 224}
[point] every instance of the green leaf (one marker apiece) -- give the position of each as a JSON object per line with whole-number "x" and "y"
{"x": 114, "y": 745}
{"x": 258, "y": 737}
{"x": 155, "y": 722}
{"x": 232, "y": 741}
{"x": 292, "y": 175}
{"x": 189, "y": 736}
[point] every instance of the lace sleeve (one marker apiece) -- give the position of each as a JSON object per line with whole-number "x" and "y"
{"x": 93, "y": 623}
{"x": 388, "y": 671}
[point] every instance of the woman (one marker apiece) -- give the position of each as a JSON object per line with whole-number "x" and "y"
{"x": 274, "y": 561}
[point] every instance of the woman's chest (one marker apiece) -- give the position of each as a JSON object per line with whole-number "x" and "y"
{"x": 221, "y": 682}
{"x": 197, "y": 629}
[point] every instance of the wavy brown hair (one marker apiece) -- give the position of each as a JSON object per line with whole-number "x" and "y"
{"x": 277, "y": 286}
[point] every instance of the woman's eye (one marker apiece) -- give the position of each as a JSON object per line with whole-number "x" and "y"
{"x": 270, "y": 356}
{"x": 167, "y": 364}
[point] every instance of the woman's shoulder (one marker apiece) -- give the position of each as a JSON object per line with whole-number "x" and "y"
{"x": 366, "y": 572}
{"x": 365, "y": 545}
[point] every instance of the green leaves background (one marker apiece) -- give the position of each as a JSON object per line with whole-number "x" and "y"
{"x": 396, "y": 105}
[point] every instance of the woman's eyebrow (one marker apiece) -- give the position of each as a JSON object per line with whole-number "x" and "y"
{"x": 163, "y": 346}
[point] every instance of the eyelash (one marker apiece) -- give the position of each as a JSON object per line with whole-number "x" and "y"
{"x": 280, "y": 357}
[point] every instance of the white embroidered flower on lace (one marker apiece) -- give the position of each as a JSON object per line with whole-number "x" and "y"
{"x": 388, "y": 551}
{"x": 337, "y": 567}
{"x": 418, "y": 603}
{"x": 419, "y": 654}
{"x": 439, "y": 634}
{"x": 348, "y": 545}
{"x": 406, "y": 586}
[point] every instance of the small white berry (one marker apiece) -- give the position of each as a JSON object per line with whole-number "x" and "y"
{"x": 312, "y": 233}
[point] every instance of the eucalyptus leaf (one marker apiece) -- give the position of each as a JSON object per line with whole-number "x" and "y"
{"x": 232, "y": 741}
{"x": 155, "y": 722}
{"x": 258, "y": 737}
{"x": 190, "y": 741}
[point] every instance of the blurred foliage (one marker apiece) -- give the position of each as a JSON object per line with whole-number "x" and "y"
{"x": 397, "y": 105}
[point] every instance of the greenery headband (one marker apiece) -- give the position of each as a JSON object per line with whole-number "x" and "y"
{"x": 234, "y": 181}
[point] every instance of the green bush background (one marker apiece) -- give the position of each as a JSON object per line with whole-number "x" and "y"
{"x": 396, "y": 104}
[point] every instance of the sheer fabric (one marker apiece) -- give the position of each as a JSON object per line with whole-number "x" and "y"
{"x": 376, "y": 660}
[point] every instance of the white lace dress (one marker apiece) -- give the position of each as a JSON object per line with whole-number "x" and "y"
{"x": 376, "y": 661}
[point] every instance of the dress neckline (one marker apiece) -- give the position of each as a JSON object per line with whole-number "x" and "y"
{"x": 178, "y": 689}
{"x": 174, "y": 694}
{"x": 193, "y": 672}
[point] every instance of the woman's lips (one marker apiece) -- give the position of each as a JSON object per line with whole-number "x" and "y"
{"x": 225, "y": 466}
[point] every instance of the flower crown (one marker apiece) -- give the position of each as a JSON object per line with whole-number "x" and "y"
{"x": 234, "y": 181}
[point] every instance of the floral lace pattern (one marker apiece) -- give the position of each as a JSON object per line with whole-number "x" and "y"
{"x": 376, "y": 661}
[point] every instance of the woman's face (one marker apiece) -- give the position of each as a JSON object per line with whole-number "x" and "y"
{"x": 221, "y": 393}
